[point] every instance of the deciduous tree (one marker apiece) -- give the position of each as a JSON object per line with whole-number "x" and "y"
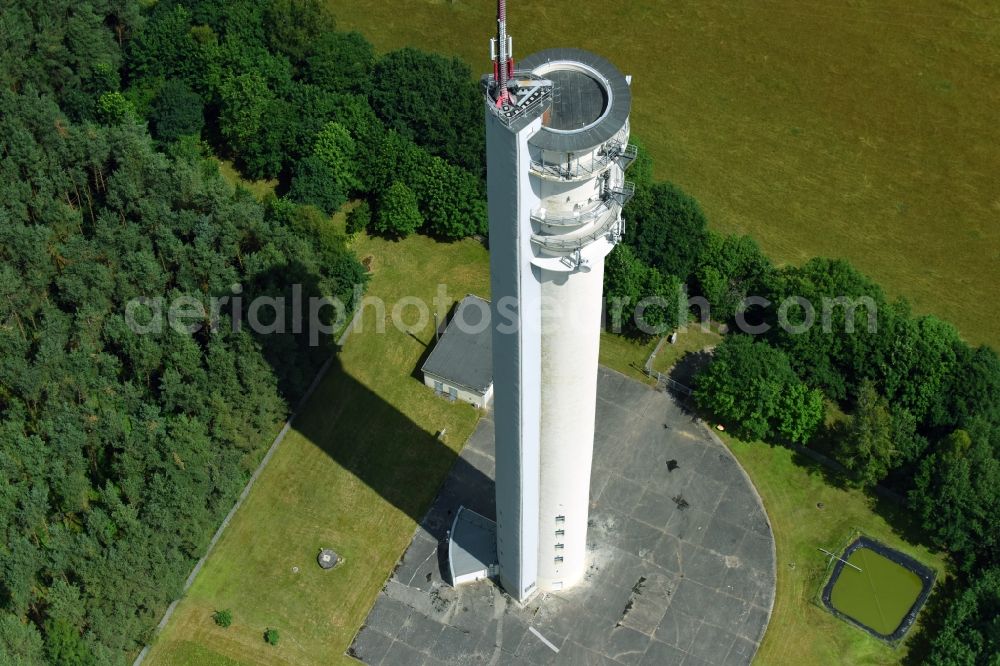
{"x": 341, "y": 62}
{"x": 449, "y": 125}
{"x": 971, "y": 629}
{"x": 335, "y": 147}
{"x": 359, "y": 218}
{"x": 398, "y": 214}
{"x": 751, "y": 387}
{"x": 957, "y": 493}
{"x": 730, "y": 268}
{"x": 669, "y": 229}
{"x": 293, "y": 26}
{"x": 176, "y": 111}
{"x": 315, "y": 183}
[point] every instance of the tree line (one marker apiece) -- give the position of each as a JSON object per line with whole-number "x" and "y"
{"x": 276, "y": 87}
{"x": 924, "y": 405}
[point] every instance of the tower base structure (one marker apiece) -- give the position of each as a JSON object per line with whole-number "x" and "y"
{"x": 663, "y": 583}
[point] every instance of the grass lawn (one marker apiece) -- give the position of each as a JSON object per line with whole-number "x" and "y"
{"x": 689, "y": 339}
{"x": 863, "y": 129}
{"x": 801, "y": 632}
{"x": 625, "y": 355}
{"x": 356, "y": 473}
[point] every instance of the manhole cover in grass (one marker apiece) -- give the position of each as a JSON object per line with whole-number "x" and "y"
{"x": 879, "y": 589}
{"x": 327, "y": 558}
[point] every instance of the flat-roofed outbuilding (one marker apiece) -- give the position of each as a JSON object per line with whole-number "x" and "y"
{"x": 460, "y": 367}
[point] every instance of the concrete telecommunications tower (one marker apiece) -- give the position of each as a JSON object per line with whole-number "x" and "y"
{"x": 557, "y": 147}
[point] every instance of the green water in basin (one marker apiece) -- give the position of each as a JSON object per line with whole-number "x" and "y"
{"x": 880, "y": 595}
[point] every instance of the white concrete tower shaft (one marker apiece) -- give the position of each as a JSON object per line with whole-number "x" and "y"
{"x": 556, "y": 155}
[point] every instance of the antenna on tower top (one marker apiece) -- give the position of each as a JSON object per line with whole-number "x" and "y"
{"x": 501, "y": 50}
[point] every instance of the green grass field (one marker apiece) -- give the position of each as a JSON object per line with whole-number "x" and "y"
{"x": 356, "y": 473}
{"x": 626, "y": 356}
{"x": 863, "y": 129}
{"x": 800, "y": 631}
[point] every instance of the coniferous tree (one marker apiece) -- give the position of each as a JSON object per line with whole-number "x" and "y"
{"x": 869, "y": 449}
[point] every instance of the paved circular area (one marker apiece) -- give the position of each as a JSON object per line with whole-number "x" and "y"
{"x": 682, "y": 558}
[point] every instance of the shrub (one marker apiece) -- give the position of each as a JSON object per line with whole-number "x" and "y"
{"x": 223, "y": 618}
{"x": 398, "y": 214}
{"x": 359, "y": 218}
{"x": 271, "y": 636}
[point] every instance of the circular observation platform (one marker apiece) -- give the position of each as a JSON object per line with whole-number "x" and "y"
{"x": 591, "y": 99}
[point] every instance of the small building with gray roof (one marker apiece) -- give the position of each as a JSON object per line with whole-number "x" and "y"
{"x": 460, "y": 367}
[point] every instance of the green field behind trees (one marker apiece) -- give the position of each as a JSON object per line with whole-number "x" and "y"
{"x": 864, "y": 130}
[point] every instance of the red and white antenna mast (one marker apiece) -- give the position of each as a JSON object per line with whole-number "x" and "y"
{"x": 502, "y": 48}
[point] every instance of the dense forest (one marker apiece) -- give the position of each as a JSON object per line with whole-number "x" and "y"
{"x": 122, "y": 452}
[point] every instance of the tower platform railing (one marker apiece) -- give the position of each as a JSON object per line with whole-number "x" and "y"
{"x": 612, "y": 202}
{"x": 610, "y": 229}
{"x": 533, "y": 93}
{"x": 576, "y": 170}
{"x": 574, "y": 218}
{"x": 622, "y": 193}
